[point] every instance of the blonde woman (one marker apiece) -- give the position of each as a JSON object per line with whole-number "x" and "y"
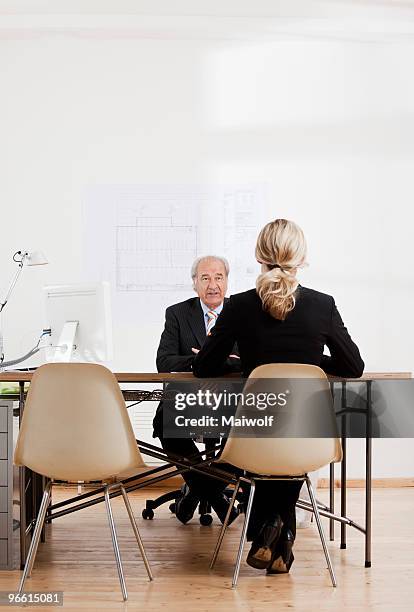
{"x": 279, "y": 322}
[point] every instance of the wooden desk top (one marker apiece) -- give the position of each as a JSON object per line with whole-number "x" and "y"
{"x": 145, "y": 377}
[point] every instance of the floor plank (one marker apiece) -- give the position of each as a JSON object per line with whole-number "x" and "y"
{"x": 78, "y": 559}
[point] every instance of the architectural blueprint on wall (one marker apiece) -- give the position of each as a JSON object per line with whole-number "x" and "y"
{"x": 155, "y": 239}
{"x": 147, "y": 237}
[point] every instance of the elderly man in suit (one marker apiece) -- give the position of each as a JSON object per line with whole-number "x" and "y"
{"x": 187, "y": 326}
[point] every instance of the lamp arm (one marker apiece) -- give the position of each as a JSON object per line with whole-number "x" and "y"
{"x": 12, "y": 286}
{"x": 15, "y": 278}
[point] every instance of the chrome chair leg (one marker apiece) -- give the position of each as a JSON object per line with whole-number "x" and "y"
{"x": 224, "y": 526}
{"x": 244, "y": 534}
{"x": 320, "y": 529}
{"x": 136, "y": 532}
{"x": 115, "y": 543}
{"x": 36, "y": 536}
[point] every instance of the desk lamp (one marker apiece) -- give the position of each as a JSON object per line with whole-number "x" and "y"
{"x": 22, "y": 258}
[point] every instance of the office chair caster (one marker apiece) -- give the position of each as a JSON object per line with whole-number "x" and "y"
{"x": 205, "y": 519}
{"x": 148, "y": 514}
{"x": 152, "y": 504}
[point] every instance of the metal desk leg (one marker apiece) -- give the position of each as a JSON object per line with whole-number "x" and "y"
{"x": 332, "y": 485}
{"x": 368, "y": 477}
{"x": 22, "y": 489}
{"x": 331, "y": 500}
{"x": 343, "y": 466}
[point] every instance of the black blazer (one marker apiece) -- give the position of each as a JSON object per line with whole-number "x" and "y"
{"x": 300, "y": 338}
{"x": 185, "y": 329}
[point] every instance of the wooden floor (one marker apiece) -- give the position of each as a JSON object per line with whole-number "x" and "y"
{"x": 78, "y": 559}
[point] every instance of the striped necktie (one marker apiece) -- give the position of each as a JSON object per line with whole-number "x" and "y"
{"x": 211, "y": 321}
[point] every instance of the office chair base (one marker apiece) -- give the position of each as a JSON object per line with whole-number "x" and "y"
{"x": 204, "y": 508}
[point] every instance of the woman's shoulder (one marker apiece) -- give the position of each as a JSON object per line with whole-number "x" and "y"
{"x": 314, "y": 296}
{"x": 243, "y": 297}
{"x": 307, "y": 299}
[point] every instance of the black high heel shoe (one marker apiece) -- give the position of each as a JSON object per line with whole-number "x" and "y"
{"x": 282, "y": 557}
{"x": 262, "y": 550}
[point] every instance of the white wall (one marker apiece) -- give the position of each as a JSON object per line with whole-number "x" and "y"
{"x": 327, "y": 124}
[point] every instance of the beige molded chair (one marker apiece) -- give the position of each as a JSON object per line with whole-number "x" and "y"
{"x": 281, "y": 458}
{"x": 75, "y": 427}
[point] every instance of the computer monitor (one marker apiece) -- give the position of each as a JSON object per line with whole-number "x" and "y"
{"x": 79, "y": 319}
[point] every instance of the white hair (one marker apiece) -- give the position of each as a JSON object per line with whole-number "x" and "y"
{"x": 197, "y": 262}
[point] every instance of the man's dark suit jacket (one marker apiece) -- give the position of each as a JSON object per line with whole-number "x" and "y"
{"x": 300, "y": 338}
{"x": 185, "y": 329}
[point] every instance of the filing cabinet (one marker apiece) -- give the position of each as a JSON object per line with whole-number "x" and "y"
{"x": 6, "y": 484}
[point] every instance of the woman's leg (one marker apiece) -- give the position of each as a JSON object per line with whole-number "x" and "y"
{"x": 272, "y": 498}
